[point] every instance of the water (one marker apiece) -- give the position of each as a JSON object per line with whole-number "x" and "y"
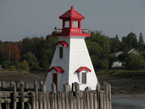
{"x": 128, "y": 101}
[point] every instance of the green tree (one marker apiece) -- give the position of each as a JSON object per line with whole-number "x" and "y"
{"x": 116, "y": 37}
{"x": 135, "y": 62}
{"x": 130, "y": 40}
{"x": 12, "y": 67}
{"x": 32, "y": 60}
{"x": 5, "y": 64}
{"x": 24, "y": 65}
{"x": 141, "y": 41}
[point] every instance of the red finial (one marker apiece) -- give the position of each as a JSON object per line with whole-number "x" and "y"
{"x": 72, "y": 7}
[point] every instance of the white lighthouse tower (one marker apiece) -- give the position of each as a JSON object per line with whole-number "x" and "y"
{"x": 71, "y": 61}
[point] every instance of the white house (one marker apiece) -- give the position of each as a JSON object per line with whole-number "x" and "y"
{"x": 71, "y": 61}
{"x": 119, "y": 64}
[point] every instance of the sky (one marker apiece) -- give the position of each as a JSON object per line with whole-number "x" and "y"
{"x": 30, "y": 18}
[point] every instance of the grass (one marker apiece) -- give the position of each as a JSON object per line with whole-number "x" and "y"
{"x": 138, "y": 74}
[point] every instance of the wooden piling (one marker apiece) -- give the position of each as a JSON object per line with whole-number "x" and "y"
{"x": 22, "y": 94}
{"x": 14, "y": 96}
{"x": 36, "y": 94}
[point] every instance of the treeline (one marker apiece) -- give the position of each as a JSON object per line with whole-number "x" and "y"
{"x": 35, "y": 54}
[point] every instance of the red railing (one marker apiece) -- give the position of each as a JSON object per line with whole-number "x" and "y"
{"x": 85, "y": 31}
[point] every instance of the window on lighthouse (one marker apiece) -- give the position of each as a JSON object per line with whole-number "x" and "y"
{"x": 75, "y": 24}
{"x": 66, "y": 24}
{"x": 83, "y": 78}
{"x": 60, "y": 52}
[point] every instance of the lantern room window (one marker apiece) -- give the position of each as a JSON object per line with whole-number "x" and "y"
{"x": 75, "y": 24}
{"x": 66, "y": 24}
{"x": 83, "y": 78}
{"x": 61, "y": 52}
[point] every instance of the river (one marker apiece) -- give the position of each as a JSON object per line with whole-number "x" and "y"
{"x": 128, "y": 101}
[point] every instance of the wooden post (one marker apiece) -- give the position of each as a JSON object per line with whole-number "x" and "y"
{"x": 28, "y": 106}
{"x": 22, "y": 95}
{"x": 110, "y": 105}
{"x": 48, "y": 100}
{"x": 77, "y": 88}
{"x": 33, "y": 100}
{"x": 3, "y": 84}
{"x": 87, "y": 99}
{"x": 36, "y": 94}
{"x": 84, "y": 100}
{"x": 53, "y": 87}
{"x": 104, "y": 100}
{"x": 106, "y": 94}
{"x": 55, "y": 101}
{"x": 101, "y": 99}
{"x": 40, "y": 100}
{"x": 63, "y": 99}
{"x": 0, "y": 105}
{"x": 70, "y": 99}
{"x": 58, "y": 100}
{"x": 0, "y": 83}
{"x": 14, "y": 96}
{"x": 52, "y": 101}
{"x": 91, "y": 100}
{"x": 43, "y": 87}
{"x": 66, "y": 90}
{"x": 7, "y": 105}
{"x": 81, "y": 104}
{"x": 75, "y": 104}
{"x": 40, "y": 84}
{"x": 26, "y": 85}
{"x": 11, "y": 84}
{"x": 95, "y": 99}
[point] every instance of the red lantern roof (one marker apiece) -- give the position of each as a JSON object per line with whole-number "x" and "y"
{"x": 82, "y": 68}
{"x": 57, "y": 68}
{"x": 72, "y": 14}
{"x": 63, "y": 43}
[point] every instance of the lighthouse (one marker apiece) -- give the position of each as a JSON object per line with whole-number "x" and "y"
{"x": 71, "y": 61}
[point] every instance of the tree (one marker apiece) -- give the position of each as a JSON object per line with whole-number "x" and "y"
{"x": 141, "y": 41}
{"x": 11, "y": 50}
{"x": 130, "y": 40}
{"x": 135, "y": 62}
{"x": 24, "y": 65}
{"x": 1, "y": 55}
{"x": 116, "y": 37}
{"x": 5, "y": 64}
{"x": 32, "y": 60}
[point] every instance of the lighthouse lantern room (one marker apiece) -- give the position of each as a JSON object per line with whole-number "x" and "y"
{"x": 71, "y": 61}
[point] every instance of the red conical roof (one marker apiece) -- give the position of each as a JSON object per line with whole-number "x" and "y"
{"x": 72, "y": 14}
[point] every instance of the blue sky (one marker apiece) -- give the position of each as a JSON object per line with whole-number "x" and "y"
{"x": 29, "y": 18}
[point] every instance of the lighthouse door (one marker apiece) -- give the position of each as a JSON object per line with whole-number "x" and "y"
{"x": 55, "y": 79}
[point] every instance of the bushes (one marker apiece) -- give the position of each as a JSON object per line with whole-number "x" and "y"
{"x": 5, "y": 64}
{"x": 24, "y": 65}
{"x": 135, "y": 62}
{"x": 12, "y": 67}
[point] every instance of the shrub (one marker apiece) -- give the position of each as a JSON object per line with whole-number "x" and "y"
{"x": 24, "y": 65}
{"x": 12, "y": 67}
{"x": 5, "y": 64}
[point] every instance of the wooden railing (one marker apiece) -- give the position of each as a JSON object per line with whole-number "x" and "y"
{"x": 22, "y": 97}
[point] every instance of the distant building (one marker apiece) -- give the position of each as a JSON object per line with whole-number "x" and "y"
{"x": 119, "y": 64}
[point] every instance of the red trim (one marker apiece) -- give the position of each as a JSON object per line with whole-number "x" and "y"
{"x": 57, "y": 68}
{"x": 63, "y": 43}
{"x": 72, "y": 14}
{"x": 73, "y": 34}
{"x": 82, "y": 68}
